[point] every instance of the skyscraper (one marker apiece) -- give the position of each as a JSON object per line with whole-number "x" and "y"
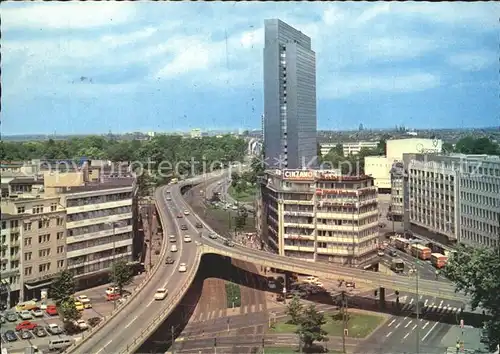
{"x": 289, "y": 123}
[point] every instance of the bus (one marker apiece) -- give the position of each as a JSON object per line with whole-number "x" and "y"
{"x": 438, "y": 260}
{"x": 397, "y": 266}
{"x": 421, "y": 252}
{"x": 402, "y": 244}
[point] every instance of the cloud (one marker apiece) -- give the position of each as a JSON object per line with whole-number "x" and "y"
{"x": 473, "y": 61}
{"x": 69, "y": 15}
{"x": 344, "y": 86}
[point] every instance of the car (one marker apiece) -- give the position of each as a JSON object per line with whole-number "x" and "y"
{"x": 84, "y": 299}
{"x": 381, "y": 253}
{"x": 79, "y": 306}
{"x": 187, "y": 238}
{"x": 169, "y": 260}
{"x": 182, "y": 268}
{"x": 179, "y": 216}
{"x": 51, "y": 310}
{"x": 393, "y": 253}
{"x": 25, "y": 315}
{"x": 161, "y": 294}
{"x": 186, "y": 212}
{"x": 228, "y": 243}
{"x": 10, "y": 336}
{"x": 212, "y": 235}
{"x": 173, "y": 248}
{"x": 112, "y": 297}
{"x": 112, "y": 290}
{"x": 350, "y": 284}
{"x": 199, "y": 225}
{"x": 169, "y": 198}
{"x": 2, "y": 319}
{"x": 11, "y": 316}
{"x": 37, "y": 312}
{"x": 172, "y": 238}
{"x": 81, "y": 324}
{"x": 26, "y": 325}
{"x": 184, "y": 227}
{"x": 94, "y": 321}
{"x": 25, "y": 334}
{"x": 39, "y": 332}
{"x": 54, "y": 329}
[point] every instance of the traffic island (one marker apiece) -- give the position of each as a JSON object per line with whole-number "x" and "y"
{"x": 233, "y": 295}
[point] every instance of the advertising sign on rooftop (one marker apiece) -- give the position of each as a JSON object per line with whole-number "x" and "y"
{"x": 296, "y": 175}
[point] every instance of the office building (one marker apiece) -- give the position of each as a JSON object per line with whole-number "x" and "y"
{"x": 289, "y": 97}
{"x": 379, "y": 167}
{"x": 348, "y": 148}
{"x": 319, "y": 215}
{"x": 453, "y": 198}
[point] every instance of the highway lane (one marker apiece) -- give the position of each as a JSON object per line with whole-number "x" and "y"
{"x": 127, "y": 323}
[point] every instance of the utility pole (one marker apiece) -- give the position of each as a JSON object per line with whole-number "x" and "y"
{"x": 173, "y": 338}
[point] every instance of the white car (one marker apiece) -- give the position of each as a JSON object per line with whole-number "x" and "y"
{"x": 84, "y": 299}
{"x": 25, "y": 315}
{"x": 182, "y": 267}
{"x": 186, "y": 212}
{"x": 187, "y": 238}
{"x": 81, "y": 324}
{"x": 161, "y": 294}
{"x": 37, "y": 313}
{"x": 173, "y": 248}
{"x": 172, "y": 238}
{"x": 112, "y": 290}
{"x": 381, "y": 253}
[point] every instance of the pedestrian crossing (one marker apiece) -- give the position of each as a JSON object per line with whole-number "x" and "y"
{"x": 428, "y": 305}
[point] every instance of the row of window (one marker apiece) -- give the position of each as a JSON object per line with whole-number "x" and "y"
{"x": 98, "y": 199}
{"x": 99, "y": 213}
{"x": 98, "y": 227}
{"x": 43, "y": 253}
{"x": 99, "y": 241}
{"x": 45, "y": 238}
{"x": 43, "y": 268}
{"x": 97, "y": 255}
{"x": 43, "y": 223}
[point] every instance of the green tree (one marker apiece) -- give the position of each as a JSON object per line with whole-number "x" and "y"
{"x": 62, "y": 287}
{"x": 476, "y": 272}
{"x": 240, "y": 222}
{"x": 121, "y": 274}
{"x": 470, "y": 145}
{"x": 310, "y": 327}
{"x": 447, "y": 147}
{"x": 294, "y": 310}
{"x": 68, "y": 311}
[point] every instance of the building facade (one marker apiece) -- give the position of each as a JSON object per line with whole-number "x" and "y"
{"x": 290, "y": 137}
{"x": 10, "y": 285}
{"x": 453, "y": 198}
{"x": 319, "y": 216}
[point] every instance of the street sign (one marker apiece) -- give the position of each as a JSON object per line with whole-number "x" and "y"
{"x": 461, "y": 323}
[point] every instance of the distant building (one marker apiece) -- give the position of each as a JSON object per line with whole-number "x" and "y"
{"x": 290, "y": 138}
{"x": 196, "y": 133}
{"x": 319, "y": 215}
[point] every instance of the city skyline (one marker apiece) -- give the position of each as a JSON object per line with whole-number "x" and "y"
{"x": 86, "y": 74}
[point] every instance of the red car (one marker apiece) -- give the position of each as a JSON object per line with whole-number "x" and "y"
{"x": 112, "y": 297}
{"x": 26, "y": 325}
{"x": 179, "y": 216}
{"x": 51, "y": 310}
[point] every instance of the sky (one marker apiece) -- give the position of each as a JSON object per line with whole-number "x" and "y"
{"x": 95, "y": 67}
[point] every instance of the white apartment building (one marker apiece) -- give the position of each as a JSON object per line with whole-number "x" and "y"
{"x": 349, "y": 148}
{"x": 319, "y": 216}
{"x": 10, "y": 284}
{"x": 454, "y": 198}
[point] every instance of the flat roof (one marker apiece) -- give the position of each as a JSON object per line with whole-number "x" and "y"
{"x": 98, "y": 186}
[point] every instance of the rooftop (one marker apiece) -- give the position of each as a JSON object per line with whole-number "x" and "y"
{"x": 112, "y": 183}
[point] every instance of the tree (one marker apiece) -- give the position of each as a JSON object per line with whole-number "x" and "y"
{"x": 62, "y": 287}
{"x": 294, "y": 310}
{"x": 310, "y": 327}
{"x": 121, "y": 274}
{"x": 476, "y": 272}
{"x": 68, "y": 311}
{"x": 240, "y": 222}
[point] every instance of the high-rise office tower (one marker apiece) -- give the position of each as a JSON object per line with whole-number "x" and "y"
{"x": 289, "y": 98}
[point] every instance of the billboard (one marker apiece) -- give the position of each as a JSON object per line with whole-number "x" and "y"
{"x": 296, "y": 175}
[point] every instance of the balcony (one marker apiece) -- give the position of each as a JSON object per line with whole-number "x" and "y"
{"x": 101, "y": 220}
{"x": 298, "y": 248}
{"x": 100, "y": 248}
{"x": 14, "y": 257}
{"x": 327, "y": 227}
{"x": 350, "y": 216}
{"x": 15, "y": 243}
{"x": 100, "y": 206}
{"x": 98, "y": 234}
{"x": 298, "y": 202}
{"x": 298, "y": 237}
{"x": 306, "y": 226}
{"x": 299, "y": 213}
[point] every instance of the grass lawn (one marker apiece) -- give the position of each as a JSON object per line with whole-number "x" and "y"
{"x": 233, "y": 295}
{"x": 360, "y": 325}
{"x": 245, "y": 196}
{"x": 222, "y": 216}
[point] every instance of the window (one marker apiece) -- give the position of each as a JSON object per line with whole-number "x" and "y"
{"x": 44, "y": 238}
{"x": 4, "y": 225}
{"x": 44, "y": 253}
{"x": 27, "y": 256}
{"x": 21, "y": 210}
{"x": 60, "y": 221}
{"x": 60, "y": 249}
{"x": 14, "y": 224}
{"x": 28, "y": 270}
{"x": 27, "y": 241}
{"x": 60, "y": 264}
{"x": 37, "y": 209}
{"x": 42, "y": 224}
{"x": 60, "y": 235}
{"x": 27, "y": 226}
{"x": 53, "y": 207}
{"x": 45, "y": 267}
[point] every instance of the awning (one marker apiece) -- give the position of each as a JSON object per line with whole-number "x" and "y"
{"x": 42, "y": 285}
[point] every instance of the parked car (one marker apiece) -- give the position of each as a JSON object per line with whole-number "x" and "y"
{"x": 112, "y": 290}
{"x": 25, "y": 315}
{"x": 10, "y": 336}
{"x": 169, "y": 260}
{"x": 51, "y": 310}
{"x": 11, "y": 316}
{"x": 54, "y": 329}
{"x": 94, "y": 321}
{"x": 37, "y": 312}
{"x": 2, "y": 319}
{"x": 25, "y": 334}
{"x": 81, "y": 324}
{"x": 84, "y": 299}
{"x": 79, "y": 306}
{"x": 39, "y": 332}
{"x": 112, "y": 297}
{"x": 26, "y": 325}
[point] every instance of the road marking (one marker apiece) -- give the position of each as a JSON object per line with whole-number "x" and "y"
{"x": 104, "y": 347}
{"x": 127, "y": 326}
{"x": 441, "y": 303}
{"x": 411, "y": 301}
{"x": 399, "y": 324}
{"x": 150, "y": 303}
{"x": 406, "y": 336}
{"x": 425, "y": 303}
{"x": 388, "y": 334}
{"x": 414, "y": 327}
{"x": 390, "y": 324}
{"x": 408, "y": 324}
{"x": 425, "y": 325}
{"x": 430, "y": 330}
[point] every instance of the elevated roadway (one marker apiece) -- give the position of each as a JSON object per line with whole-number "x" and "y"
{"x": 322, "y": 270}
